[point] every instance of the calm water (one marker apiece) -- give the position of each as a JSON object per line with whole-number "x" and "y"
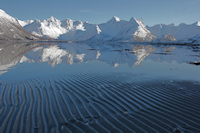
{"x": 99, "y": 87}
{"x": 29, "y": 60}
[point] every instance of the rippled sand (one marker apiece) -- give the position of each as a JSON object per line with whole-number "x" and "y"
{"x": 99, "y": 102}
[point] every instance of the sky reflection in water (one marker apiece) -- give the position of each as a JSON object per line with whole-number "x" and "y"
{"x": 24, "y": 60}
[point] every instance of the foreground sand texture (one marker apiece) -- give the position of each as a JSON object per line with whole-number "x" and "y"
{"x": 99, "y": 102}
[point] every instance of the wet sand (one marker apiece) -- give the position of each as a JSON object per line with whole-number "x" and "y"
{"x": 99, "y": 102}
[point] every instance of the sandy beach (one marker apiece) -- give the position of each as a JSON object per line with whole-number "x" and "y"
{"x": 100, "y": 102}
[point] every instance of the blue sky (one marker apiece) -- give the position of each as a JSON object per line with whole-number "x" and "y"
{"x": 99, "y": 11}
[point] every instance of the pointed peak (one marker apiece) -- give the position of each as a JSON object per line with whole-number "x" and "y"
{"x": 114, "y": 19}
{"x": 117, "y": 19}
{"x": 132, "y": 19}
{"x": 136, "y": 20}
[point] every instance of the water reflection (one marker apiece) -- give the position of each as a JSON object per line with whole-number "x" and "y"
{"x": 13, "y": 54}
{"x": 142, "y": 52}
{"x": 113, "y": 54}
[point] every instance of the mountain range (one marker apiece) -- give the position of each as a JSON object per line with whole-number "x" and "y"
{"x": 113, "y": 30}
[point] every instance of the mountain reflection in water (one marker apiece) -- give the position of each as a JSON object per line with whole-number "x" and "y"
{"x": 112, "y": 54}
{"x": 99, "y": 87}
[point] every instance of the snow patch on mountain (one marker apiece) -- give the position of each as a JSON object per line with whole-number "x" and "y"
{"x": 51, "y": 28}
{"x": 117, "y": 19}
{"x": 24, "y": 23}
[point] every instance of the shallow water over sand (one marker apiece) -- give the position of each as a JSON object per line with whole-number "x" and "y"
{"x": 118, "y": 87}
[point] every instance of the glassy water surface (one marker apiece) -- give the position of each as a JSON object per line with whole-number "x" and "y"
{"x": 26, "y": 60}
{"x": 99, "y": 87}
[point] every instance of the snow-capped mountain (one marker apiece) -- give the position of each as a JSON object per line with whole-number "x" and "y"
{"x": 81, "y": 31}
{"x": 180, "y": 32}
{"x": 10, "y": 29}
{"x": 134, "y": 30}
{"x": 114, "y": 29}
{"x": 49, "y": 28}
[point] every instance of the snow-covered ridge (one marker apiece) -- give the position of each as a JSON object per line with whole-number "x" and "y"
{"x": 3, "y": 14}
{"x": 181, "y": 32}
{"x": 10, "y": 28}
{"x": 76, "y": 30}
{"x": 24, "y": 23}
{"x": 113, "y": 30}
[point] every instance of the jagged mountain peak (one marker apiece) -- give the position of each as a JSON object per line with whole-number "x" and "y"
{"x": 52, "y": 19}
{"x": 117, "y": 19}
{"x": 114, "y": 29}
{"x": 132, "y": 19}
{"x": 114, "y": 19}
{"x": 135, "y": 21}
